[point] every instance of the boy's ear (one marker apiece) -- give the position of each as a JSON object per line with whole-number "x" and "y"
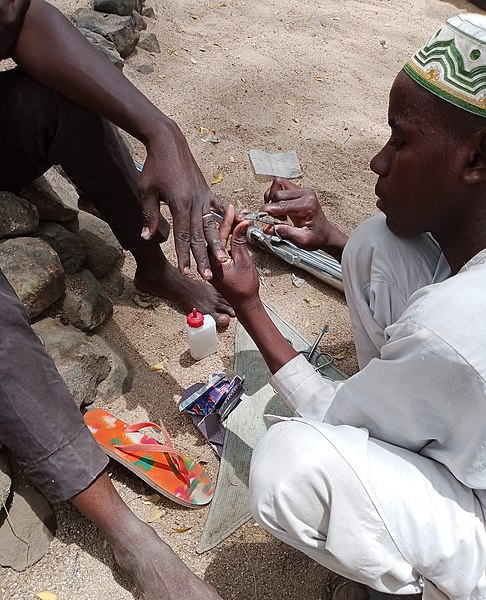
{"x": 475, "y": 169}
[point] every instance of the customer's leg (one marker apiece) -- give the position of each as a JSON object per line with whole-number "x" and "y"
{"x": 43, "y": 429}
{"x": 372, "y": 512}
{"x": 380, "y": 273}
{"x": 39, "y": 128}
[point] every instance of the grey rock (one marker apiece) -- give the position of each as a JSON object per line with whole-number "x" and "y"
{"x": 67, "y": 245}
{"x": 105, "y": 46}
{"x": 148, "y": 12}
{"x": 122, "y": 31}
{"x": 113, "y": 283}
{"x": 34, "y": 271}
{"x": 120, "y": 378}
{"x": 145, "y": 68}
{"x": 55, "y": 198}
{"x": 86, "y": 304}
{"x": 5, "y": 481}
{"x": 117, "y": 7}
{"x": 85, "y": 362}
{"x": 149, "y": 42}
{"x": 103, "y": 252}
{"x": 27, "y": 533}
{"x": 80, "y": 363}
{"x": 140, "y": 22}
{"x": 17, "y": 216}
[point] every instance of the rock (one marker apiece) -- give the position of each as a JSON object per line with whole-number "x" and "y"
{"x": 149, "y": 42}
{"x": 122, "y": 31}
{"x": 27, "y": 533}
{"x": 34, "y": 271}
{"x": 103, "y": 251}
{"x": 85, "y": 303}
{"x": 117, "y": 7}
{"x": 68, "y": 246}
{"x": 85, "y": 363}
{"x": 55, "y": 198}
{"x": 140, "y": 22}
{"x": 120, "y": 378}
{"x": 145, "y": 69}
{"x": 105, "y": 46}
{"x": 80, "y": 363}
{"x": 148, "y": 12}
{"x": 5, "y": 481}
{"x": 17, "y": 216}
{"x": 113, "y": 283}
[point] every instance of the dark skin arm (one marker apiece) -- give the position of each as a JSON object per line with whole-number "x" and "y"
{"x": 236, "y": 280}
{"x": 47, "y": 47}
{"x": 312, "y": 230}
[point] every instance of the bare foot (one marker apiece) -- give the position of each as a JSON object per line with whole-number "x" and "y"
{"x": 158, "y": 572}
{"x": 186, "y": 292}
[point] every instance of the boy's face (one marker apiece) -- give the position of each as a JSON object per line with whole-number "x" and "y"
{"x": 419, "y": 187}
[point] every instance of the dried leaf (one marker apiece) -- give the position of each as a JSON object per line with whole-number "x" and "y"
{"x": 181, "y": 529}
{"x": 290, "y": 102}
{"x": 312, "y": 301}
{"x": 157, "y": 513}
{"x": 235, "y": 191}
{"x": 193, "y": 60}
{"x": 340, "y": 355}
{"x": 232, "y": 159}
{"x": 139, "y": 302}
{"x": 45, "y": 595}
{"x": 202, "y": 49}
{"x": 218, "y": 179}
{"x": 318, "y": 78}
{"x": 296, "y": 120}
{"x": 195, "y": 17}
{"x": 160, "y": 366}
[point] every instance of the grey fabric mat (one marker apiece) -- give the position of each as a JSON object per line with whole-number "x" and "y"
{"x": 244, "y": 427}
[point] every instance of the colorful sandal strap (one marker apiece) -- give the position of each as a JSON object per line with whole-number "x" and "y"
{"x": 137, "y": 426}
{"x": 174, "y": 456}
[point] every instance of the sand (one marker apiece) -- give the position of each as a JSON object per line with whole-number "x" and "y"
{"x": 312, "y": 76}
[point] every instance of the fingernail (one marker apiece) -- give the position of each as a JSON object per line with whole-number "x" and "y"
{"x": 222, "y": 255}
{"x": 145, "y": 233}
{"x": 208, "y": 274}
{"x": 187, "y": 270}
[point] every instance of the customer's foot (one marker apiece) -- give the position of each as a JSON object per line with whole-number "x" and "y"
{"x": 158, "y": 572}
{"x": 186, "y": 292}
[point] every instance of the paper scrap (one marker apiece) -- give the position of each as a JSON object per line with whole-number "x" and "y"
{"x": 279, "y": 164}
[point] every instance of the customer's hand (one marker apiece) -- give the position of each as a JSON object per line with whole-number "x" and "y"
{"x": 171, "y": 175}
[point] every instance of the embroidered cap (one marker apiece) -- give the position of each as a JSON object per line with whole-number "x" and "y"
{"x": 452, "y": 64}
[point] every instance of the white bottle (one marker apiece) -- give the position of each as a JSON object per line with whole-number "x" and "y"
{"x": 201, "y": 335}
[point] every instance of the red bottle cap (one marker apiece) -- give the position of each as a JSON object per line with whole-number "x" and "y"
{"x": 195, "y": 319}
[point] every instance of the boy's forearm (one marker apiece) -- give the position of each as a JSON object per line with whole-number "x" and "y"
{"x": 274, "y": 348}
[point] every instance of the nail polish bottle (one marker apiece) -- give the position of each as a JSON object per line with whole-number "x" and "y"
{"x": 201, "y": 335}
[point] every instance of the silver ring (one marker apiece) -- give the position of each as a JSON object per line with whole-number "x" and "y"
{"x": 207, "y": 215}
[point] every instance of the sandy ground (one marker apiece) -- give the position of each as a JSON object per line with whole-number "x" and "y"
{"x": 277, "y": 75}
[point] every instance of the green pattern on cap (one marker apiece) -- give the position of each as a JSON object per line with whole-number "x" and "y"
{"x": 452, "y": 64}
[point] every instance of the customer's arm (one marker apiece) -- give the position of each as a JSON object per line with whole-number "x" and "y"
{"x": 52, "y": 51}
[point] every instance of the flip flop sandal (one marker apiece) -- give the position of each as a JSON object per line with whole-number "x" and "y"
{"x": 171, "y": 473}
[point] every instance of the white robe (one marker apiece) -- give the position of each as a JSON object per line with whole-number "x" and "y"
{"x": 382, "y": 478}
